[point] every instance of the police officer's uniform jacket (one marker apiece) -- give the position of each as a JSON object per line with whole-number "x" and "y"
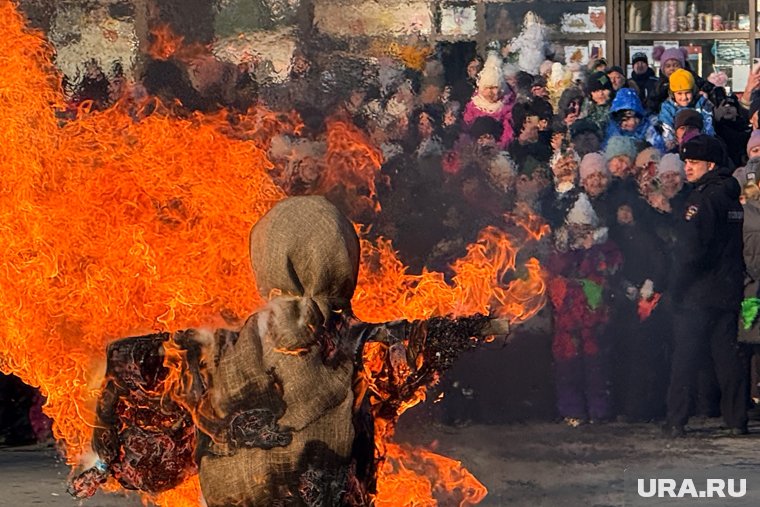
{"x": 709, "y": 266}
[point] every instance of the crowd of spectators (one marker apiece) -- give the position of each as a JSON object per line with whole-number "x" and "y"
{"x": 600, "y": 156}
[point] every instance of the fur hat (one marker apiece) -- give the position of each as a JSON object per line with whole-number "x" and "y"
{"x": 586, "y": 138}
{"x": 593, "y": 163}
{"x": 582, "y": 126}
{"x": 492, "y": 73}
{"x": 646, "y": 156}
{"x": 486, "y": 125}
{"x": 509, "y": 70}
{"x": 501, "y": 172}
{"x": 522, "y": 110}
{"x": 703, "y": 147}
{"x": 681, "y": 81}
{"x": 754, "y": 141}
{"x": 671, "y": 162}
{"x": 620, "y": 146}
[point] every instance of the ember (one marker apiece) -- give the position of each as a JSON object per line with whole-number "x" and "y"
{"x": 114, "y": 227}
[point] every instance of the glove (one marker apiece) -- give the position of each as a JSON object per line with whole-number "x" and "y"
{"x": 647, "y": 289}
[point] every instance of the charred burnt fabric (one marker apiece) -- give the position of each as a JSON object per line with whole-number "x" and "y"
{"x": 283, "y": 411}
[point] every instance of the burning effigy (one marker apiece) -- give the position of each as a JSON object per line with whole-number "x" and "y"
{"x": 282, "y": 411}
{"x": 134, "y": 222}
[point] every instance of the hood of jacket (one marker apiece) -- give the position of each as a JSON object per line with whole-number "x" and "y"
{"x": 627, "y": 99}
{"x": 568, "y": 96}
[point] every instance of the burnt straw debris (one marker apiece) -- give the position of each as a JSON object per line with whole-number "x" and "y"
{"x": 143, "y": 439}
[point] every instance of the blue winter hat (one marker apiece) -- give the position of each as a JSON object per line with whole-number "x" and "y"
{"x": 620, "y": 146}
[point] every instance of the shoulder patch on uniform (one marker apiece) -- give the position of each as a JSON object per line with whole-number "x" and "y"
{"x": 691, "y": 212}
{"x": 735, "y": 215}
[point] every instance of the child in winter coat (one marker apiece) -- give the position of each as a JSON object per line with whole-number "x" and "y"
{"x": 629, "y": 119}
{"x": 580, "y": 268}
{"x": 493, "y": 98}
{"x": 683, "y": 95}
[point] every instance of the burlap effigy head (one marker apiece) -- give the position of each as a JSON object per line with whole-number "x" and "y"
{"x": 305, "y": 254}
{"x": 304, "y": 246}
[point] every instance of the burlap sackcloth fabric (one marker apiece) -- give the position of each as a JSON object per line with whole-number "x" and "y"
{"x": 305, "y": 257}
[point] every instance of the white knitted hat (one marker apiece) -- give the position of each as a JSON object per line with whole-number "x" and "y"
{"x": 582, "y": 213}
{"x": 492, "y": 73}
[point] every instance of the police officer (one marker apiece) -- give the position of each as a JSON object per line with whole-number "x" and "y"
{"x": 707, "y": 288}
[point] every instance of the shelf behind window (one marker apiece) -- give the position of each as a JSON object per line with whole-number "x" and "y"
{"x": 579, "y": 36}
{"x": 724, "y": 34}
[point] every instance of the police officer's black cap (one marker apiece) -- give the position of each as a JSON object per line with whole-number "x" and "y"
{"x": 702, "y": 147}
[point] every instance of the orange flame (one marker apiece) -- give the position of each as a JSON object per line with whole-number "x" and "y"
{"x": 386, "y": 292}
{"x": 103, "y": 219}
{"x": 113, "y": 227}
{"x": 416, "y": 477}
{"x": 351, "y": 163}
{"x": 164, "y": 42}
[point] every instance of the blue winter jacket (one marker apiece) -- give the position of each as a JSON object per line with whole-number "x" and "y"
{"x": 669, "y": 110}
{"x": 648, "y": 129}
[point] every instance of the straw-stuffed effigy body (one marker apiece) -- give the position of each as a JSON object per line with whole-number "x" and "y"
{"x": 281, "y": 412}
